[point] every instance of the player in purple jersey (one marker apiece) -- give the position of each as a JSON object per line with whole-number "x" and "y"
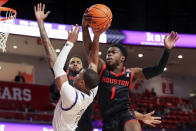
{"x": 75, "y": 65}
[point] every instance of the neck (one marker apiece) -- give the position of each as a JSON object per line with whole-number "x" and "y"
{"x": 75, "y": 72}
{"x": 86, "y": 91}
{"x": 117, "y": 69}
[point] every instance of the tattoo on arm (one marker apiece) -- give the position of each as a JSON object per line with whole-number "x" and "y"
{"x": 50, "y": 51}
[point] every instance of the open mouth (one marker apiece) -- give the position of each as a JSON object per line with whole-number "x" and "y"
{"x": 108, "y": 59}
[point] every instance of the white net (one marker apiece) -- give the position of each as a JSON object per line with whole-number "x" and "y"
{"x": 7, "y": 18}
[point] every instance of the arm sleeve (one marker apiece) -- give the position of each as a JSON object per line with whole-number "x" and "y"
{"x": 61, "y": 59}
{"x": 150, "y": 72}
{"x": 68, "y": 95}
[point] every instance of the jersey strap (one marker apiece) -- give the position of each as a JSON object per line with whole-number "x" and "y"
{"x": 131, "y": 79}
{"x": 67, "y": 71}
{"x": 101, "y": 72}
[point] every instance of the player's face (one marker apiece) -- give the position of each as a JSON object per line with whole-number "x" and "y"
{"x": 75, "y": 64}
{"x": 113, "y": 56}
{"x": 78, "y": 81}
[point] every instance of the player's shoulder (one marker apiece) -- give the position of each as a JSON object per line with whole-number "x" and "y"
{"x": 134, "y": 69}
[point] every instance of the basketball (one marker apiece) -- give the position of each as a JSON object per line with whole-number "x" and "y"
{"x": 101, "y": 16}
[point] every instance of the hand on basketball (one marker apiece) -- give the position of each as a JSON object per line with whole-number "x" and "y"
{"x": 97, "y": 32}
{"x": 170, "y": 40}
{"x": 151, "y": 120}
{"x": 39, "y": 12}
{"x": 73, "y": 35}
{"x": 87, "y": 17}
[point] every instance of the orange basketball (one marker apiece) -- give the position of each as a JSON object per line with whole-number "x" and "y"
{"x": 101, "y": 16}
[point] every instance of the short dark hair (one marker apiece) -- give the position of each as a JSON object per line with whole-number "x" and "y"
{"x": 91, "y": 78}
{"x": 67, "y": 63}
{"x": 77, "y": 56}
{"x": 122, "y": 49}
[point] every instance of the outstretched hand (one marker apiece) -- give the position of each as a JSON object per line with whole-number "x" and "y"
{"x": 39, "y": 12}
{"x": 73, "y": 34}
{"x": 151, "y": 120}
{"x": 170, "y": 40}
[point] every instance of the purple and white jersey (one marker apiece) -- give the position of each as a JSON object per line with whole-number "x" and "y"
{"x": 70, "y": 107}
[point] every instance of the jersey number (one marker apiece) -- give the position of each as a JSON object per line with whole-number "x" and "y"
{"x": 113, "y": 93}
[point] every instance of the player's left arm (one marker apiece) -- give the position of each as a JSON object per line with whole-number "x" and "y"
{"x": 60, "y": 74}
{"x": 149, "y": 72}
{"x": 148, "y": 118}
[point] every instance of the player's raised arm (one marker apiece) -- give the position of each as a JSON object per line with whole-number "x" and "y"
{"x": 41, "y": 16}
{"x": 93, "y": 58}
{"x": 149, "y": 72}
{"x": 60, "y": 74}
{"x": 86, "y": 36}
{"x": 85, "y": 32}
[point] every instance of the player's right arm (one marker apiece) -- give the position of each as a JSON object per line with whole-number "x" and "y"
{"x": 41, "y": 16}
{"x": 87, "y": 39}
{"x": 60, "y": 74}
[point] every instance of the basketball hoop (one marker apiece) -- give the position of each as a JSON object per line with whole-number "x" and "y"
{"x": 7, "y": 17}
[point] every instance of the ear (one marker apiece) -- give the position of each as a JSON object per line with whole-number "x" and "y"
{"x": 122, "y": 58}
{"x": 82, "y": 83}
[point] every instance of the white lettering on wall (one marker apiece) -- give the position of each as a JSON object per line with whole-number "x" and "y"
{"x": 16, "y": 94}
{"x": 6, "y": 94}
{"x": 155, "y": 37}
{"x": 27, "y": 95}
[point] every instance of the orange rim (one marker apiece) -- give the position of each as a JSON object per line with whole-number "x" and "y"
{"x": 8, "y": 9}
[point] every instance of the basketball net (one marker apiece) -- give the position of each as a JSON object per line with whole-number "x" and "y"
{"x": 7, "y": 17}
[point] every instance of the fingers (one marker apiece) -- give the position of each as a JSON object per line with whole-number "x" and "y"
{"x": 71, "y": 28}
{"x": 157, "y": 118}
{"x": 151, "y": 113}
{"x": 35, "y": 10}
{"x": 152, "y": 125}
{"x": 76, "y": 27}
{"x": 68, "y": 32}
{"x": 78, "y": 30}
{"x": 176, "y": 33}
{"x": 177, "y": 38}
{"x": 86, "y": 11}
{"x": 43, "y": 7}
{"x": 48, "y": 13}
{"x": 39, "y": 7}
{"x": 75, "y": 30}
{"x": 156, "y": 122}
{"x": 166, "y": 36}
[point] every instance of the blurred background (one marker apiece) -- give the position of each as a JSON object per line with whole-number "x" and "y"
{"x": 172, "y": 94}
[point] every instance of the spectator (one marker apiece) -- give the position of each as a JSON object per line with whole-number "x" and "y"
{"x": 19, "y": 78}
{"x": 29, "y": 108}
{"x": 147, "y": 93}
{"x": 153, "y": 93}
